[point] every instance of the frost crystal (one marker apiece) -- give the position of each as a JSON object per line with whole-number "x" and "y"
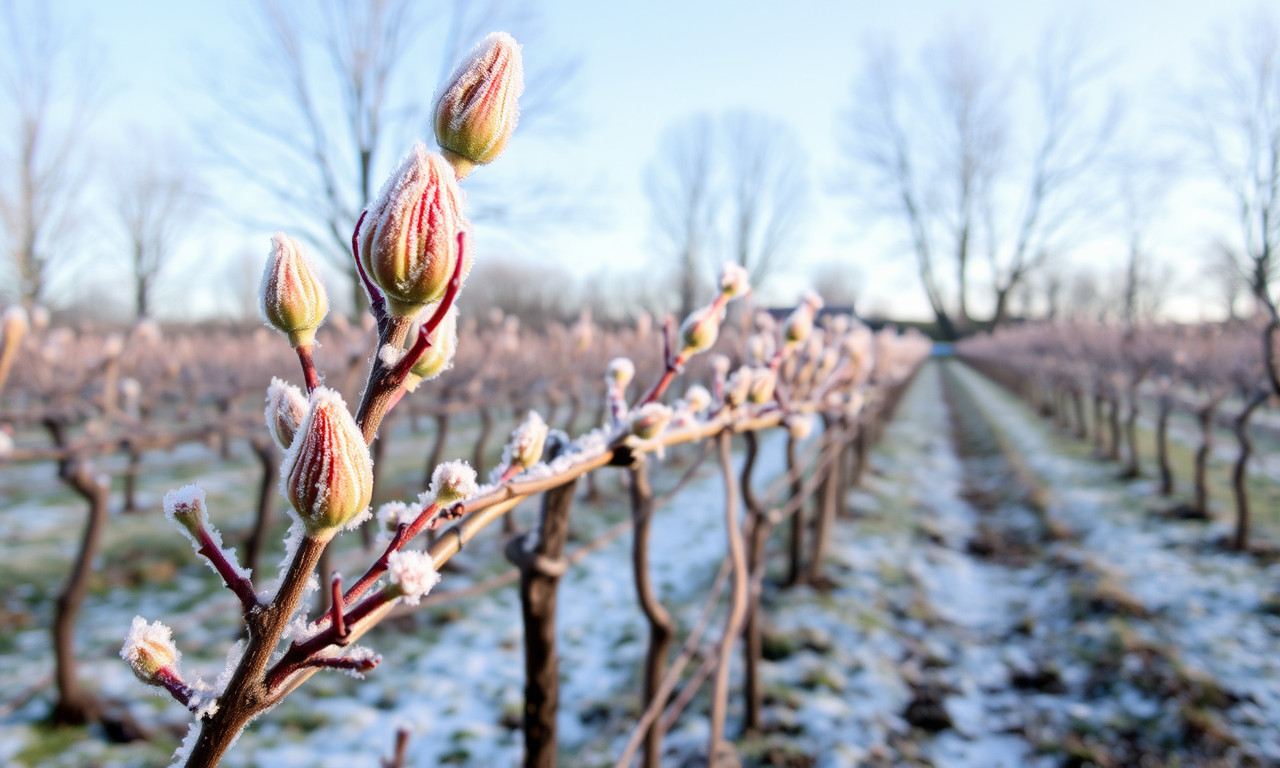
{"x": 285, "y": 411}
{"x": 414, "y": 573}
{"x": 734, "y": 280}
{"x": 390, "y": 355}
{"x": 148, "y": 648}
{"x": 621, "y": 371}
{"x": 450, "y": 482}
{"x": 391, "y": 515}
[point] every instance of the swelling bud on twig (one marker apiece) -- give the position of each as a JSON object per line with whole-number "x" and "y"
{"x": 650, "y": 419}
{"x": 185, "y": 506}
{"x": 412, "y": 575}
{"x": 451, "y": 482}
{"x": 438, "y": 357}
{"x": 477, "y": 111}
{"x": 408, "y": 241}
{"x": 286, "y": 408}
{"x": 620, "y": 372}
{"x": 763, "y": 382}
{"x": 525, "y": 448}
{"x": 738, "y": 387}
{"x": 293, "y": 299}
{"x": 734, "y": 280}
{"x": 799, "y": 324}
{"x": 327, "y": 474}
{"x": 698, "y": 398}
{"x": 148, "y": 649}
{"x": 699, "y": 331}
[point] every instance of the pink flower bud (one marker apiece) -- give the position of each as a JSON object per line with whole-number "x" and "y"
{"x": 408, "y": 240}
{"x": 477, "y": 112}
{"x": 699, "y": 331}
{"x": 293, "y": 299}
{"x": 327, "y": 474}
{"x": 286, "y": 408}
{"x": 149, "y": 648}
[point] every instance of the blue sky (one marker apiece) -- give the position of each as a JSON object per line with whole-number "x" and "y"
{"x": 647, "y": 64}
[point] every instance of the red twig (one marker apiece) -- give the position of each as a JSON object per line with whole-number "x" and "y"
{"x": 673, "y": 363}
{"x": 336, "y": 604}
{"x": 341, "y": 662}
{"x": 423, "y": 342}
{"x": 170, "y": 681}
{"x": 308, "y": 367}
{"x": 231, "y": 575}
{"x": 377, "y": 302}
{"x": 404, "y": 534}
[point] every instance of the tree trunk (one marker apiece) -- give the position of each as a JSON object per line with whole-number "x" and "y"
{"x": 1131, "y": 433}
{"x": 1241, "y": 542}
{"x": 1162, "y": 444}
{"x": 1113, "y": 420}
{"x": 753, "y": 646}
{"x": 717, "y": 746}
{"x": 1205, "y": 417}
{"x": 795, "y": 548}
{"x": 826, "y": 498}
{"x": 540, "y": 571}
{"x": 661, "y": 626}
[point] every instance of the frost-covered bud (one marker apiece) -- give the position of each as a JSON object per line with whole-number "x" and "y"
{"x": 699, "y": 331}
{"x": 438, "y": 357}
{"x": 698, "y": 398}
{"x": 185, "y": 507}
{"x": 620, "y": 372}
{"x": 286, "y": 408}
{"x": 391, "y": 514}
{"x": 149, "y": 648}
{"x": 409, "y": 237}
{"x": 738, "y": 387}
{"x": 327, "y": 474}
{"x": 650, "y": 419}
{"x": 800, "y": 426}
{"x": 527, "y": 442}
{"x": 451, "y": 482}
{"x": 799, "y": 325}
{"x": 412, "y": 575}
{"x": 734, "y": 280}
{"x": 763, "y": 382}
{"x": 292, "y": 296}
{"x": 477, "y": 111}
{"x": 13, "y": 326}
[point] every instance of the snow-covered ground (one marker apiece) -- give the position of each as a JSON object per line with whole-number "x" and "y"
{"x": 970, "y": 622}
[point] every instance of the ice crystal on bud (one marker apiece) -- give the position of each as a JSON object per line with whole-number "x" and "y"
{"x": 327, "y": 474}
{"x": 412, "y": 575}
{"x": 698, "y": 398}
{"x": 292, "y": 297}
{"x": 391, "y": 515}
{"x": 149, "y": 648}
{"x": 408, "y": 240}
{"x": 620, "y": 372}
{"x": 286, "y": 408}
{"x": 734, "y": 280}
{"x": 477, "y": 111}
{"x": 186, "y": 507}
{"x": 525, "y": 448}
{"x": 699, "y": 331}
{"x": 650, "y": 419}
{"x": 451, "y": 482}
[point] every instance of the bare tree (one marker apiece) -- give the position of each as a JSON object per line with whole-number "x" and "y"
{"x": 156, "y": 198}
{"x": 47, "y": 97}
{"x": 680, "y": 187}
{"x": 335, "y": 95}
{"x": 1234, "y": 116}
{"x": 768, "y": 185}
{"x": 938, "y": 150}
{"x": 1143, "y": 182}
